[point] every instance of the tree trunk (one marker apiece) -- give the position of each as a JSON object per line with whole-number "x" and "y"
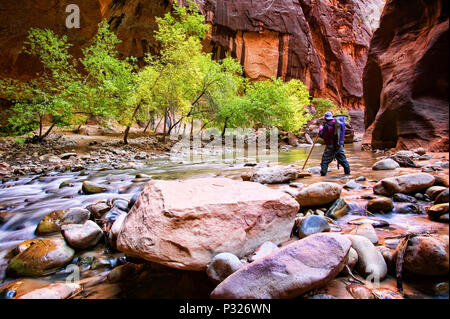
{"x": 224, "y": 128}
{"x": 41, "y": 138}
{"x": 125, "y": 135}
{"x": 127, "y": 130}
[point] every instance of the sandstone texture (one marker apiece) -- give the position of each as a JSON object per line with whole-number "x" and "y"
{"x": 289, "y": 272}
{"x": 406, "y": 77}
{"x": 184, "y": 224}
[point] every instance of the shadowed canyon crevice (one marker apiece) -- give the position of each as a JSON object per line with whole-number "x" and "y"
{"x": 406, "y": 77}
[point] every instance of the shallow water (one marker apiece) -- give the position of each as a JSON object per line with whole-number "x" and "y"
{"x": 25, "y": 201}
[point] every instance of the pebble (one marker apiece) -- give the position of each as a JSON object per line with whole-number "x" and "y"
{"x": 222, "y": 266}
{"x": 312, "y": 225}
{"x": 382, "y": 205}
{"x": 82, "y": 236}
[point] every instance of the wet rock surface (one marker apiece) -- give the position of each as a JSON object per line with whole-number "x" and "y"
{"x": 306, "y": 264}
{"x": 274, "y": 175}
{"x": 222, "y": 266}
{"x": 319, "y": 194}
{"x": 82, "y": 236}
{"x": 31, "y": 197}
{"x": 43, "y": 256}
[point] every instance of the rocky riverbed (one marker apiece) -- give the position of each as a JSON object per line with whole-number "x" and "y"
{"x": 108, "y": 222}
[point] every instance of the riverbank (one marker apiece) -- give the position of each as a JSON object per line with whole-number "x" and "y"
{"x": 107, "y": 193}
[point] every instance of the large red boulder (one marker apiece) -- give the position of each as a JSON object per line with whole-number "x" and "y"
{"x": 406, "y": 77}
{"x": 184, "y": 224}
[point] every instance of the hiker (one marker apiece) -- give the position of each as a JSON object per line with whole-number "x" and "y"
{"x": 334, "y": 141}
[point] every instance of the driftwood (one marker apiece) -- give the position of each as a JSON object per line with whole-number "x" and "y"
{"x": 401, "y": 251}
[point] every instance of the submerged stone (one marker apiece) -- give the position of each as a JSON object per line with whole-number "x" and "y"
{"x": 89, "y": 188}
{"x": 311, "y": 225}
{"x": 339, "y": 209}
{"x": 52, "y": 222}
{"x": 42, "y": 257}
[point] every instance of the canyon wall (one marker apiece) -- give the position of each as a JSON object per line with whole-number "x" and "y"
{"x": 323, "y": 43}
{"x": 406, "y": 77}
{"x": 17, "y": 17}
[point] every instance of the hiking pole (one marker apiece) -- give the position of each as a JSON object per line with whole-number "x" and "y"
{"x": 310, "y": 152}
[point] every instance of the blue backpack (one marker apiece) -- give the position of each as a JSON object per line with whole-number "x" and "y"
{"x": 340, "y": 129}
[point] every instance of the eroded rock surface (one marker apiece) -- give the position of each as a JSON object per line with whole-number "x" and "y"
{"x": 406, "y": 77}
{"x": 183, "y": 224}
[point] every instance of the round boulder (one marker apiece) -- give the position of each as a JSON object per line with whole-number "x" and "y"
{"x": 42, "y": 257}
{"x": 370, "y": 261}
{"x": 366, "y": 230}
{"x": 405, "y": 184}
{"x": 313, "y": 224}
{"x": 380, "y": 205}
{"x": 427, "y": 255}
{"x": 89, "y": 188}
{"x": 82, "y": 236}
{"x": 319, "y": 194}
{"x": 386, "y": 164}
{"x": 52, "y": 222}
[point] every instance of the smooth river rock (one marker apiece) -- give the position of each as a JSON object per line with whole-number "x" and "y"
{"x": 297, "y": 268}
{"x": 53, "y": 221}
{"x": 387, "y": 164}
{"x": 366, "y": 230}
{"x": 319, "y": 194}
{"x": 41, "y": 257}
{"x": 380, "y": 205}
{"x": 222, "y": 266}
{"x": 53, "y": 291}
{"x": 370, "y": 261}
{"x": 274, "y": 175}
{"x": 82, "y": 236}
{"x": 311, "y": 225}
{"x": 427, "y": 255}
{"x": 405, "y": 184}
{"x": 184, "y": 224}
{"x": 434, "y": 191}
{"x": 89, "y": 188}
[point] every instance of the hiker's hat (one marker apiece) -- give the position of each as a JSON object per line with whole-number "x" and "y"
{"x": 328, "y": 116}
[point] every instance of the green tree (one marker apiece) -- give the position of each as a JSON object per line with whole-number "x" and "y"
{"x": 325, "y": 105}
{"x": 163, "y": 84}
{"x": 46, "y": 96}
{"x": 107, "y": 80}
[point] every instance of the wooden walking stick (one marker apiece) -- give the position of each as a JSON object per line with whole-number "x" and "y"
{"x": 310, "y": 152}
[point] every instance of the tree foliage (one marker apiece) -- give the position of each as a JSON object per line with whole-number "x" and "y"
{"x": 182, "y": 83}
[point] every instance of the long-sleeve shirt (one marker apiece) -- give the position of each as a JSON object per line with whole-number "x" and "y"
{"x": 327, "y": 132}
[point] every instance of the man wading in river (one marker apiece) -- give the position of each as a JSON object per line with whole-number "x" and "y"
{"x": 332, "y": 134}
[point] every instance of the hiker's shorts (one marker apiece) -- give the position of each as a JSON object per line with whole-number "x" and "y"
{"x": 330, "y": 154}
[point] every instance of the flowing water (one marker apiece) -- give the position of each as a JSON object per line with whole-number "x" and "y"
{"x": 26, "y": 200}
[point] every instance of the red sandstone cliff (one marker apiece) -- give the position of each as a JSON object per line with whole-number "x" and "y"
{"x": 323, "y": 43}
{"x": 406, "y": 77}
